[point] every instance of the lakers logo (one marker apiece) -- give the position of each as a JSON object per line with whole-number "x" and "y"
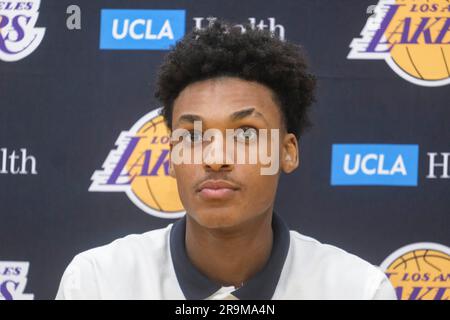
{"x": 139, "y": 166}
{"x": 420, "y": 271}
{"x": 19, "y": 35}
{"x": 412, "y": 36}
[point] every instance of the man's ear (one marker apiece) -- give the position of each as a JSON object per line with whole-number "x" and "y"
{"x": 289, "y": 153}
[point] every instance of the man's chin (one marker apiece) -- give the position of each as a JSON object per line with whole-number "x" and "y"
{"x": 218, "y": 218}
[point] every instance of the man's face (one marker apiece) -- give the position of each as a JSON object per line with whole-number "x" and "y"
{"x": 221, "y": 195}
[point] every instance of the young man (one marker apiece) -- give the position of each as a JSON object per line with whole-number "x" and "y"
{"x": 230, "y": 244}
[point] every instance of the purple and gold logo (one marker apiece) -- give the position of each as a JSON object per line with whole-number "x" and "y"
{"x": 139, "y": 166}
{"x": 420, "y": 271}
{"x": 412, "y": 36}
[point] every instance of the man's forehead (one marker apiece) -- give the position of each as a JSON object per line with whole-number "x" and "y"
{"x": 209, "y": 100}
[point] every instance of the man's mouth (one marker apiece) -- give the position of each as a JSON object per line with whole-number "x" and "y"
{"x": 217, "y": 190}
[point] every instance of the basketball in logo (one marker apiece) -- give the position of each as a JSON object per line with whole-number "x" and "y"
{"x": 153, "y": 185}
{"x": 139, "y": 166}
{"x": 421, "y": 57}
{"x": 420, "y": 271}
{"x": 412, "y": 36}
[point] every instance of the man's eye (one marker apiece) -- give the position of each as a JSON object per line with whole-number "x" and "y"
{"x": 246, "y": 134}
{"x": 193, "y": 136}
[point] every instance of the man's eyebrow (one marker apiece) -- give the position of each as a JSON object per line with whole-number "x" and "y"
{"x": 235, "y": 116}
{"x": 238, "y": 115}
{"x": 189, "y": 118}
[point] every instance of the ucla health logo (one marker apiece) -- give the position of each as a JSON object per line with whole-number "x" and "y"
{"x": 374, "y": 164}
{"x": 412, "y": 36}
{"x": 139, "y": 167}
{"x": 13, "y": 279}
{"x": 18, "y": 35}
{"x": 141, "y": 29}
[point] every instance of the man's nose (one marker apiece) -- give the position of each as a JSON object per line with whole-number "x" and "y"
{"x": 216, "y": 157}
{"x": 218, "y": 167}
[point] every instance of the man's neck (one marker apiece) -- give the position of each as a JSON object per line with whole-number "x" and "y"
{"x": 230, "y": 256}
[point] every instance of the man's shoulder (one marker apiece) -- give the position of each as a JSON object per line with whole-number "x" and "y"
{"x": 326, "y": 271}
{"x": 129, "y": 267}
{"x": 327, "y": 254}
{"x": 129, "y": 248}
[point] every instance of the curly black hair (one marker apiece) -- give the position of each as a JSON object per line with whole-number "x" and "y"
{"x": 223, "y": 49}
